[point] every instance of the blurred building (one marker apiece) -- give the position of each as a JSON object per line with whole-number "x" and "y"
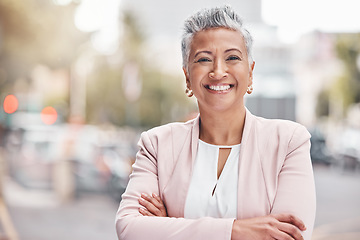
{"x": 274, "y": 94}
{"x": 316, "y": 66}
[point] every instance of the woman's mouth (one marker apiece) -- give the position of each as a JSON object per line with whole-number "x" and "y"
{"x": 219, "y": 88}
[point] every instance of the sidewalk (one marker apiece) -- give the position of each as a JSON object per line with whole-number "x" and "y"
{"x": 37, "y": 215}
{"x": 7, "y": 229}
{"x": 338, "y": 199}
{"x": 342, "y": 230}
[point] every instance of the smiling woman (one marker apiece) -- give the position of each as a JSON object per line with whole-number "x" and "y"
{"x": 219, "y": 71}
{"x": 226, "y": 174}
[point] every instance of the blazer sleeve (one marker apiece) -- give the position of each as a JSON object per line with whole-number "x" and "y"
{"x": 296, "y": 188}
{"x": 131, "y": 225}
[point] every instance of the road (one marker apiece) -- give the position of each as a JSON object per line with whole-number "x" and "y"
{"x": 338, "y": 204}
{"x": 37, "y": 215}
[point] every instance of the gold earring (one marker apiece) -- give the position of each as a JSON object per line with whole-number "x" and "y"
{"x": 189, "y": 92}
{"x": 250, "y": 89}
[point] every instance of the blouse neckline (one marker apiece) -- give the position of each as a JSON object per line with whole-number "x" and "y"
{"x": 220, "y": 146}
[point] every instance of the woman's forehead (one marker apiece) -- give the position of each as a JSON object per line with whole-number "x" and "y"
{"x": 219, "y": 39}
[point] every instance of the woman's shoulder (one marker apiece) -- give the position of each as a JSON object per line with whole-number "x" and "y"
{"x": 168, "y": 135}
{"x": 280, "y": 127}
{"x": 172, "y": 128}
{"x": 276, "y": 122}
{"x": 280, "y": 134}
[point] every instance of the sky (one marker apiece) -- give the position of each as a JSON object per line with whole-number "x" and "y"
{"x": 296, "y": 17}
{"x": 292, "y": 17}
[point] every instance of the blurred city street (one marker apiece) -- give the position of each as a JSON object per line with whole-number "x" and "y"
{"x": 338, "y": 199}
{"x": 79, "y": 85}
{"x": 37, "y": 215}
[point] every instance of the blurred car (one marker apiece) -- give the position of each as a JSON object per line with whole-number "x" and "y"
{"x": 100, "y": 160}
{"x": 30, "y": 155}
{"x": 319, "y": 151}
{"x": 348, "y": 148}
{"x": 119, "y": 160}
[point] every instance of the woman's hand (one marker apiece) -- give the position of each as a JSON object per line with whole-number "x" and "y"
{"x": 275, "y": 226}
{"x": 153, "y": 206}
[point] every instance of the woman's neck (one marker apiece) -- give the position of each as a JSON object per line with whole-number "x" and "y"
{"x": 222, "y": 128}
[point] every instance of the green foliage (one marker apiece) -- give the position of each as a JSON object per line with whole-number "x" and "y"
{"x": 104, "y": 97}
{"x": 133, "y": 37}
{"x": 322, "y": 107}
{"x": 162, "y": 97}
{"x": 36, "y": 32}
{"x": 347, "y": 86}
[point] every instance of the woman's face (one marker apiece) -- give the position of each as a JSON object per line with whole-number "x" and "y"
{"x": 218, "y": 70}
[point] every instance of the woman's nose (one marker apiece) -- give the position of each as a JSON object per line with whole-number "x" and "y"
{"x": 219, "y": 71}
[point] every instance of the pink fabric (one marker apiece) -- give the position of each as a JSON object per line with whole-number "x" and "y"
{"x": 275, "y": 176}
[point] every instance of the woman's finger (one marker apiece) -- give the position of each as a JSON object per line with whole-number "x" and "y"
{"x": 152, "y": 205}
{"x": 147, "y": 204}
{"x": 156, "y": 197}
{"x": 145, "y": 212}
{"x": 290, "y": 230}
{"x": 274, "y": 226}
{"x": 151, "y": 200}
{"x": 159, "y": 203}
{"x": 277, "y": 234}
{"x": 289, "y": 218}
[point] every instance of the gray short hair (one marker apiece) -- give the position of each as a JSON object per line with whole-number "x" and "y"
{"x": 216, "y": 17}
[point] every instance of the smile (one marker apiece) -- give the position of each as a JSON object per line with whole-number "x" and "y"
{"x": 219, "y": 88}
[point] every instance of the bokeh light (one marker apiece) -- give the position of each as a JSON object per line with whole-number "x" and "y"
{"x": 49, "y": 115}
{"x": 11, "y": 104}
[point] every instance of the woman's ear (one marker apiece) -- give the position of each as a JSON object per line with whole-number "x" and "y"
{"x": 186, "y": 78}
{"x": 251, "y": 73}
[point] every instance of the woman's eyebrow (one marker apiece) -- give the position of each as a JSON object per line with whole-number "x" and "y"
{"x": 233, "y": 49}
{"x": 207, "y": 52}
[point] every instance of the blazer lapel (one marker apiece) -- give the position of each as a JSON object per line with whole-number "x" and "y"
{"x": 188, "y": 168}
{"x": 178, "y": 185}
{"x": 252, "y": 192}
{"x": 243, "y": 149}
{"x": 195, "y": 140}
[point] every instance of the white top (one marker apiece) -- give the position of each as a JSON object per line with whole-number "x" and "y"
{"x": 200, "y": 202}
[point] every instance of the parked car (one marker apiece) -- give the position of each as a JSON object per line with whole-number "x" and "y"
{"x": 100, "y": 160}
{"x": 119, "y": 160}
{"x": 348, "y": 149}
{"x": 319, "y": 151}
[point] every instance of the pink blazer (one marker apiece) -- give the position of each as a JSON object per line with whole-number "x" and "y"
{"x": 275, "y": 176}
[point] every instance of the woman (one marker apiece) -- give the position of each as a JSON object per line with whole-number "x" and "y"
{"x": 227, "y": 174}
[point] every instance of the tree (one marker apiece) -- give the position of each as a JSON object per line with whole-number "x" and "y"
{"x": 35, "y": 32}
{"x": 161, "y": 99}
{"x": 348, "y": 85}
{"x": 345, "y": 90}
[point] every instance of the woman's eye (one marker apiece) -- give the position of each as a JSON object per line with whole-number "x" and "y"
{"x": 203, "y": 60}
{"x": 232, "y": 58}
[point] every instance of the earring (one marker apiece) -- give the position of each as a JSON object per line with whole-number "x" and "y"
{"x": 189, "y": 92}
{"x": 250, "y": 89}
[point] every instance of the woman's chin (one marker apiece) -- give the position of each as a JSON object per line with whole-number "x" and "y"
{"x": 221, "y": 106}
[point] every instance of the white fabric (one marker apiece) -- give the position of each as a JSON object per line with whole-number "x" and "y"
{"x": 200, "y": 202}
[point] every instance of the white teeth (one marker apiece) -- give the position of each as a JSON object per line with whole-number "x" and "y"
{"x": 219, "y": 88}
